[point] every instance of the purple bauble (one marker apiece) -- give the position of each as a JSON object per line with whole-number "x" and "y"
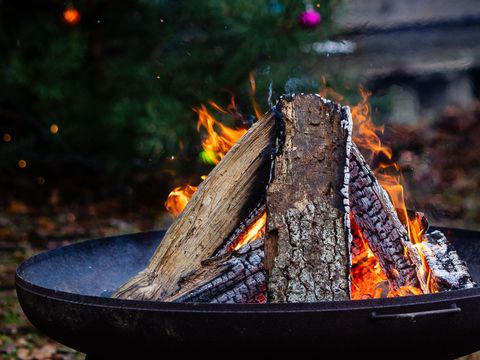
{"x": 310, "y": 18}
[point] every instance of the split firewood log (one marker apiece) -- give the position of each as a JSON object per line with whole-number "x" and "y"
{"x": 448, "y": 271}
{"x": 226, "y": 197}
{"x": 374, "y": 213}
{"x": 307, "y": 246}
{"x": 234, "y": 277}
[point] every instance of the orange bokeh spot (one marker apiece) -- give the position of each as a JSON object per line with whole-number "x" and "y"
{"x": 71, "y": 16}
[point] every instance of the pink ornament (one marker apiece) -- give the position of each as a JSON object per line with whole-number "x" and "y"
{"x": 310, "y": 18}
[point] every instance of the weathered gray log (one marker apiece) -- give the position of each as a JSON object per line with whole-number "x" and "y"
{"x": 235, "y": 277}
{"x": 387, "y": 237}
{"x": 307, "y": 246}
{"x": 225, "y": 198}
{"x": 447, "y": 270}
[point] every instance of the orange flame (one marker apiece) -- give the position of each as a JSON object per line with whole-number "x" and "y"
{"x": 256, "y": 108}
{"x": 328, "y": 92}
{"x": 366, "y": 136}
{"x": 366, "y": 275}
{"x": 219, "y": 138}
{"x": 179, "y": 198}
{"x": 365, "y": 133}
{"x": 255, "y": 231}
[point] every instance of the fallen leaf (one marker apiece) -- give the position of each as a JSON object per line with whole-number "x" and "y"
{"x": 44, "y": 353}
{"x": 18, "y": 208}
{"x": 45, "y": 224}
{"x": 23, "y": 354}
{"x": 21, "y": 342}
{"x": 54, "y": 198}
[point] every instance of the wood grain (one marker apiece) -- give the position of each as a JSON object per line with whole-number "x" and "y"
{"x": 221, "y": 202}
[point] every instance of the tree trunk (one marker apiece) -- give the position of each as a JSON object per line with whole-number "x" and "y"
{"x": 307, "y": 245}
{"x": 233, "y": 189}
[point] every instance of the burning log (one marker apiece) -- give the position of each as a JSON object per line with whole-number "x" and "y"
{"x": 373, "y": 212}
{"x": 307, "y": 245}
{"x": 229, "y": 193}
{"x": 367, "y": 278}
{"x": 318, "y": 176}
{"x": 448, "y": 272}
{"x": 234, "y": 277}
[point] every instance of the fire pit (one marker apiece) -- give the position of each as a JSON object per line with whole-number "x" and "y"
{"x": 66, "y": 294}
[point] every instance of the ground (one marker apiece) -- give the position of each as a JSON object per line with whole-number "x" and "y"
{"x": 25, "y": 231}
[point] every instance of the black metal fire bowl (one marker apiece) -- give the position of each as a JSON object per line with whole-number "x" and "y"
{"x": 65, "y": 294}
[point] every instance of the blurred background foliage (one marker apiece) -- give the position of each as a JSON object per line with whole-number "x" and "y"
{"x": 109, "y": 95}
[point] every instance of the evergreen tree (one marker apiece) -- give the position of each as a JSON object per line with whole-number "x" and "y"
{"x": 120, "y": 83}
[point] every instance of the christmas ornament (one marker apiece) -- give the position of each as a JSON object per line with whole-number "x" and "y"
{"x": 71, "y": 15}
{"x": 310, "y": 18}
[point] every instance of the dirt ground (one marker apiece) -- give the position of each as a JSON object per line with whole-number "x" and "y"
{"x": 25, "y": 231}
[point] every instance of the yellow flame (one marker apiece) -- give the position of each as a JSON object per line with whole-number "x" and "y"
{"x": 366, "y": 275}
{"x": 255, "y": 231}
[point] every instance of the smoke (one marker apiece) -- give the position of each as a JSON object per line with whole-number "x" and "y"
{"x": 300, "y": 85}
{"x": 270, "y": 93}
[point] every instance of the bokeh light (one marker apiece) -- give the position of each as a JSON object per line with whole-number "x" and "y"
{"x": 54, "y": 128}
{"x": 71, "y": 16}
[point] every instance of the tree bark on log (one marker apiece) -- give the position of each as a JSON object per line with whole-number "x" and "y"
{"x": 307, "y": 245}
{"x": 447, "y": 270}
{"x": 222, "y": 200}
{"x": 387, "y": 237}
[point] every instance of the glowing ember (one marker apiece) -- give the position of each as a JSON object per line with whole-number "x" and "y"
{"x": 366, "y": 275}
{"x": 254, "y": 231}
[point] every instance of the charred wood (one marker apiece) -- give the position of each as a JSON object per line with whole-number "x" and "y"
{"x": 448, "y": 271}
{"x": 387, "y": 237}
{"x": 235, "y": 277}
